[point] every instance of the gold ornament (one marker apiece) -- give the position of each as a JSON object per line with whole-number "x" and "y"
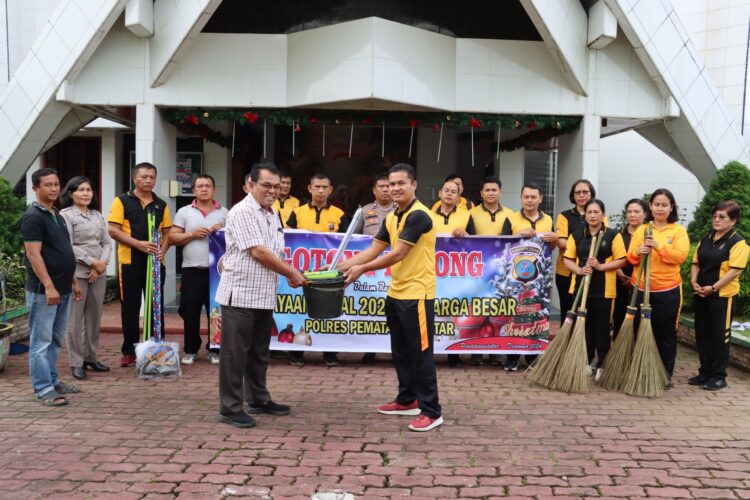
{"x": 517, "y": 124}
{"x": 449, "y": 118}
{"x": 337, "y": 121}
{"x": 205, "y": 115}
{"x": 557, "y": 125}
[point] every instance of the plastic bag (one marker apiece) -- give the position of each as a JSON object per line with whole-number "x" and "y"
{"x": 157, "y": 359}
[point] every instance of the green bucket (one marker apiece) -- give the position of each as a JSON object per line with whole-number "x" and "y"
{"x": 324, "y": 294}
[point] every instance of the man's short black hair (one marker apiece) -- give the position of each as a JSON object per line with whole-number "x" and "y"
{"x": 36, "y": 177}
{"x": 203, "y": 176}
{"x": 382, "y": 176}
{"x": 144, "y": 165}
{"x": 254, "y": 173}
{"x": 453, "y": 177}
{"x": 532, "y": 185}
{"x": 320, "y": 177}
{"x": 404, "y": 167}
{"x": 492, "y": 180}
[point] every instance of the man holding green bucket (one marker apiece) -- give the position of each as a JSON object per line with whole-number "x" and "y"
{"x": 410, "y": 304}
{"x": 252, "y": 264}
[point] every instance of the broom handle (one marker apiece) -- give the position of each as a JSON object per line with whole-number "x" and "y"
{"x": 587, "y": 280}
{"x": 647, "y": 285}
{"x": 577, "y": 299}
{"x": 634, "y": 293}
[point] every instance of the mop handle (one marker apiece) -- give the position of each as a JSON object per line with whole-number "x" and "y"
{"x": 156, "y": 283}
{"x": 594, "y": 250}
{"x": 345, "y": 241}
{"x": 647, "y": 285}
{"x": 148, "y": 304}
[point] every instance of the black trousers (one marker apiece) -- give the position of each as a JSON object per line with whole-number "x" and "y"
{"x": 412, "y": 327}
{"x": 598, "y": 321}
{"x": 194, "y": 296}
{"x": 713, "y": 320}
{"x": 245, "y": 340}
{"x": 620, "y": 309}
{"x": 132, "y": 288}
{"x": 566, "y": 299}
{"x": 665, "y": 310}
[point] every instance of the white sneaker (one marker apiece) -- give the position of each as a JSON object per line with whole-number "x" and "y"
{"x": 188, "y": 359}
{"x": 213, "y": 357}
{"x": 598, "y": 376}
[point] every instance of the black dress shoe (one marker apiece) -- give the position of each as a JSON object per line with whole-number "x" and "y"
{"x": 270, "y": 408}
{"x": 78, "y": 372}
{"x": 96, "y": 366}
{"x": 715, "y": 384}
{"x": 241, "y": 420}
{"x": 698, "y": 380}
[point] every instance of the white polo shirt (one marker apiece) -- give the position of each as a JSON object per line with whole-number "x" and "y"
{"x": 190, "y": 218}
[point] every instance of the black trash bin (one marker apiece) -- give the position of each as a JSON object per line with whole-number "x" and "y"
{"x": 324, "y": 296}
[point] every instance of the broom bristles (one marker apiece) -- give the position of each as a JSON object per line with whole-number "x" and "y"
{"x": 543, "y": 369}
{"x": 646, "y": 376}
{"x": 572, "y": 374}
{"x": 617, "y": 362}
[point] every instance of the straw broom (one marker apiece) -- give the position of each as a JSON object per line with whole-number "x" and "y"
{"x": 543, "y": 370}
{"x": 646, "y": 376}
{"x": 572, "y": 374}
{"x": 617, "y": 362}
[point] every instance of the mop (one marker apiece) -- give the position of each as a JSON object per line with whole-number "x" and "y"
{"x": 572, "y": 374}
{"x": 646, "y": 376}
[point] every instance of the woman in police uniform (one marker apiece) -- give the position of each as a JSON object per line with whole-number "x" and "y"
{"x": 603, "y": 270}
{"x": 668, "y": 247}
{"x": 717, "y": 264}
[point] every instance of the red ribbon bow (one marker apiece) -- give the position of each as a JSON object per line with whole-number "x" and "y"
{"x": 192, "y": 119}
{"x": 474, "y": 123}
{"x": 251, "y": 117}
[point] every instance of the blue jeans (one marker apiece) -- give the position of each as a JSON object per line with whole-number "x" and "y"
{"x": 47, "y": 326}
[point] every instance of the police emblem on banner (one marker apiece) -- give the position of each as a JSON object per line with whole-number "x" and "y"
{"x": 525, "y": 269}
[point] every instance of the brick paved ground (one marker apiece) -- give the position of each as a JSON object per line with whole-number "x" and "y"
{"x": 127, "y": 438}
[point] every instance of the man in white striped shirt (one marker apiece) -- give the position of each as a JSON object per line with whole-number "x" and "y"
{"x": 247, "y": 295}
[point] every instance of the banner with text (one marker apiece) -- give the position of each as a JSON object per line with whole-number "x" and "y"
{"x": 493, "y": 296}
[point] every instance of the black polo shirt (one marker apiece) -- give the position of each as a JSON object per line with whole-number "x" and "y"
{"x": 716, "y": 258}
{"x": 39, "y": 225}
{"x": 603, "y": 284}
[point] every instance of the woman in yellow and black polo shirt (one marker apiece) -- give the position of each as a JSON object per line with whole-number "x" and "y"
{"x": 669, "y": 248}
{"x": 717, "y": 264}
{"x": 635, "y": 213}
{"x": 567, "y": 223}
{"x": 603, "y": 270}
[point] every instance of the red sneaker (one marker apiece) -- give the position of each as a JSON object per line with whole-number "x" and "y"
{"x": 424, "y": 423}
{"x": 127, "y": 360}
{"x": 397, "y": 409}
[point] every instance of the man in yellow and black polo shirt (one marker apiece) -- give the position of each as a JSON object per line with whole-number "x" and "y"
{"x": 318, "y": 215}
{"x": 462, "y": 202}
{"x": 410, "y": 304}
{"x": 128, "y": 225}
{"x": 529, "y": 222}
{"x": 489, "y": 217}
{"x": 285, "y": 202}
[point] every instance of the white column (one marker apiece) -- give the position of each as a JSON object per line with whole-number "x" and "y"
{"x": 108, "y": 190}
{"x": 217, "y": 162}
{"x": 156, "y": 143}
{"x": 510, "y": 172}
{"x": 30, "y": 194}
{"x": 577, "y": 158}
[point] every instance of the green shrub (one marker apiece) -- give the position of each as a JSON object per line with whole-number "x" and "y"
{"x": 11, "y": 210}
{"x": 14, "y": 272}
{"x": 731, "y": 183}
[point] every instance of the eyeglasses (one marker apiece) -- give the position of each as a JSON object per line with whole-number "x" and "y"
{"x": 268, "y": 186}
{"x": 581, "y": 193}
{"x": 719, "y": 216}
